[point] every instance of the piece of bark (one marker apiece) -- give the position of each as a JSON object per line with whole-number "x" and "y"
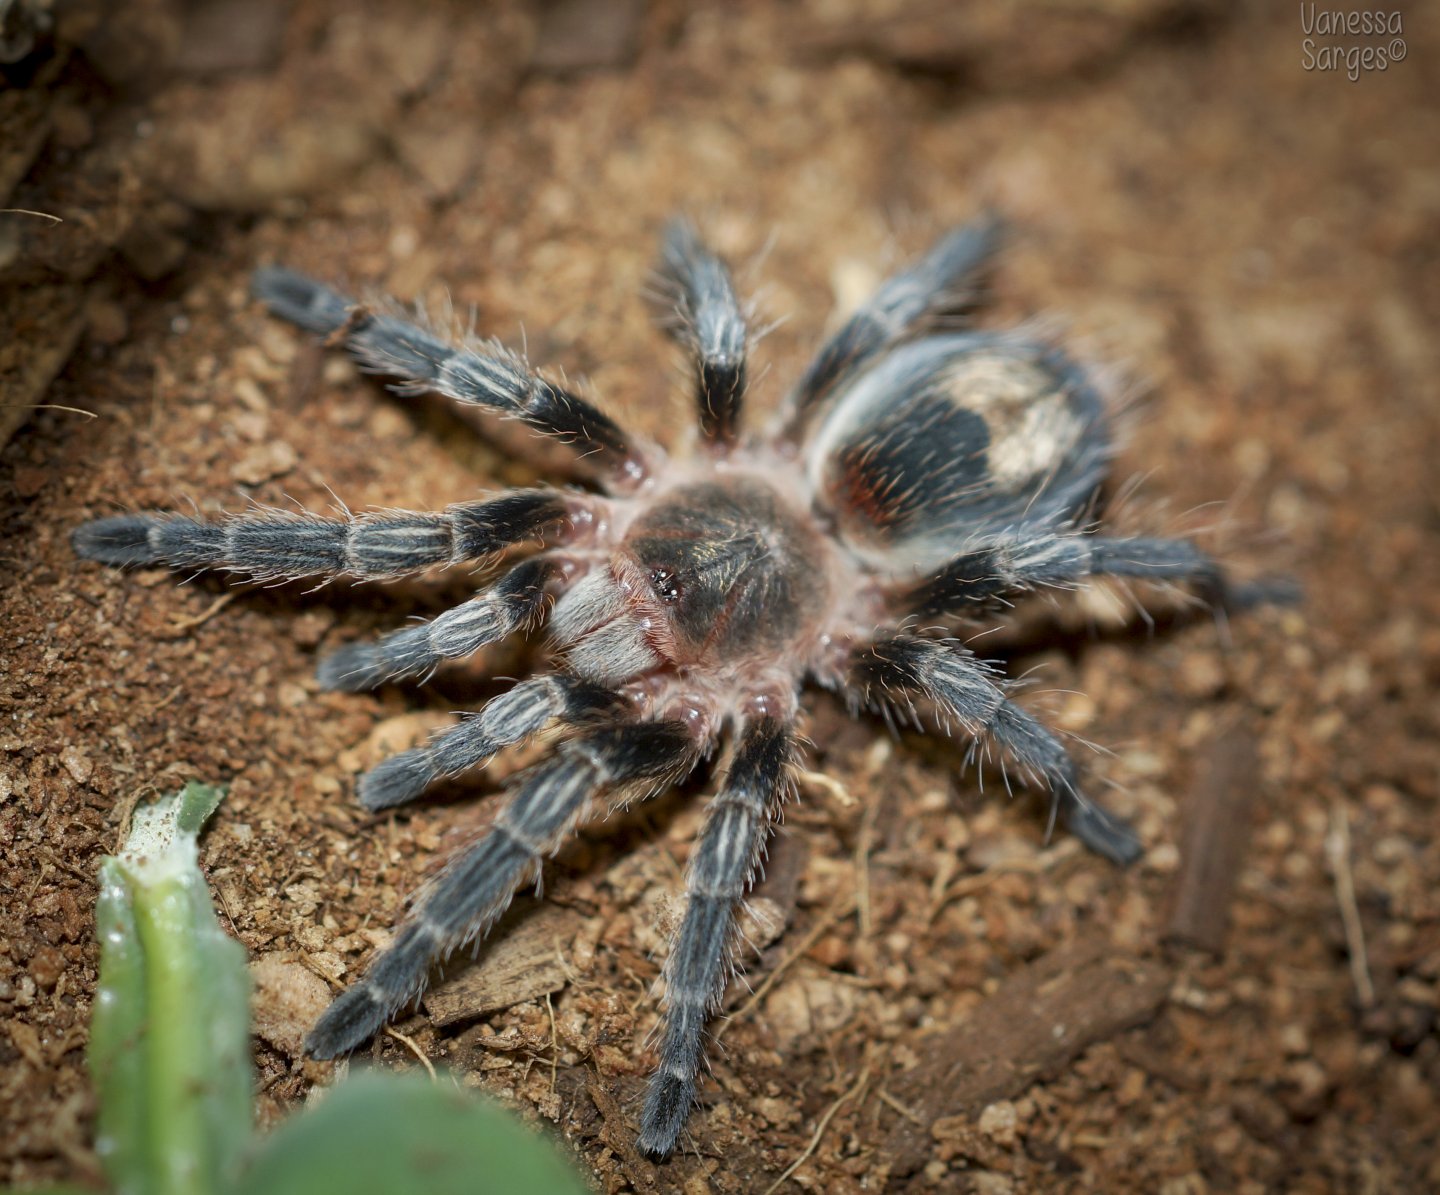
{"x": 580, "y": 35}
{"x": 1035, "y": 1024}
{"x": 37, "y": 335}
{"x": 1217, "y": 828}
{"x": 518, "y": 965}
{"x": 771, "y": 903}
{"x": 26, "y": 118}
{"x": 287, "y": 1001}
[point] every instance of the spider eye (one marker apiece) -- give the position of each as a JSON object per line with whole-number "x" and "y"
{"x": 666, "y": 585}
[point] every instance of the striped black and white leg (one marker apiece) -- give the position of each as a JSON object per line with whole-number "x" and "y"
{"x": 967, "y": 693}
{"x": 493, "y": 378}
{"x": 504, "y": 721}
{"x": 477, "y": 885}
{"x": 726, "y": 860}
{"x": 517, "y": 599}
{"x": 903, "y": 306}
{"x": 708, "y": 321}
{"x": 272, "y": 544}
{"x": 1039, "y": 558}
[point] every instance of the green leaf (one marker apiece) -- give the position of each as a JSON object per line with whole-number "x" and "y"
{"x": 403, "y": 1135}
{"x": 196, "y": 803}
{"x": 170, "y": 1037}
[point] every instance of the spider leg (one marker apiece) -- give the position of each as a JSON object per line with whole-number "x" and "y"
{"x": 708, "y": 321}
{"x": 1033, "y": 558}
{"x": 508, "y": 719}
{"x": 517, "y": 598}
{"x": 496, "y": 380}
{"x": 725, "y": 862}
{"x": 967, "y": 693}
{"x": 273, "y": 544}
{"x": 475, "y": 887}
{"x": 903, "y": 305}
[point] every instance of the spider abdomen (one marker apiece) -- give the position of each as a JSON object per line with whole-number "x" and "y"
{"x": 959, "y": 434}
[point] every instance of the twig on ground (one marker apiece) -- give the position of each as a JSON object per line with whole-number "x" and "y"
{"x": 1337, "y": 847}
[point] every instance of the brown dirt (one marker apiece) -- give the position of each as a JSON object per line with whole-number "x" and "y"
{"x": 1257, "y": 240}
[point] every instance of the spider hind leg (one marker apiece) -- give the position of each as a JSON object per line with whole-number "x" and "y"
{"x": 967, "y": 695}
{"x": 1029, "y": 558}
{"x": 904, "y": 305}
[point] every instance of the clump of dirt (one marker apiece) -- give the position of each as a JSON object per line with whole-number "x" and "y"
{"x": 942, "y": 1002}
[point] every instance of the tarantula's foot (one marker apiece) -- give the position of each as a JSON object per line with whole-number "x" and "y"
{"x": 1105, "y": 833}
{"x": 667, "y": 1108}
{"x": 1264, "y": 591}
{"x": 396, "y": 780}
{"x": 359, "y": 667}
{"x": 121, "y": 540}
{"x": 354, "y": 1016}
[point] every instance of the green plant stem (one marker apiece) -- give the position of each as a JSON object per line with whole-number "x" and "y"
{"x": 176, "y": 1042}
{"x": 169, "y": 1042}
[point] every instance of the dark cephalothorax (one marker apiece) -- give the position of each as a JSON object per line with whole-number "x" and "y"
{"x": 917, "y": 478}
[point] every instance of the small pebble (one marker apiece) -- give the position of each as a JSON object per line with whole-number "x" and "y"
{"x": 77, "y": 763}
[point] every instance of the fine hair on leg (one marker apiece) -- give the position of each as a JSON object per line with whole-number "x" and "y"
{"x": 484, "y": 375}
{"x": 722, "y": 868}
{"x": 515, "y": 600}
{"x": 504, "y": 721}
{"x": 904, "y": 305}
{"x": 271, "y": 544}
{"x": 968, "y": 696}
{"x": 1036, "y": 557}
{"x": 707, "y": 319}
{"x": 476, "y": 886}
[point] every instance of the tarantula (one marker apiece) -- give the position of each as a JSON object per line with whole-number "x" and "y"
{"x": 916, "y": 478}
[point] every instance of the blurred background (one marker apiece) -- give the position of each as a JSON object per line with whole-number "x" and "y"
{"x": 1238, "y": 205}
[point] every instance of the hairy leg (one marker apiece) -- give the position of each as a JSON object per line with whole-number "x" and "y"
{"x": 476, "y": 886}
{"x": 724, "y": 865}
{"x": 271, "y": 544}
{"x": 508, "y": 719}
{"x": 707, "y": 319}
{"x": 491, "y": 377}
{"x": 904, "y": 305}
{"x": 967, "y": 694}
{"x": 1040, "y": 557}
{"x": 515, "y": 600}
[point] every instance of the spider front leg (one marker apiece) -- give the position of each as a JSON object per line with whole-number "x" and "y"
{"x": 496, "y": 379}
{"x": 724, "y": 865}
{"x": 708, "y": 320}
{"x": 966, "y": 692}
{"x": 1031, "y": 558}
{"x": 272, "y": 544}
{"x": 475, "y": 887}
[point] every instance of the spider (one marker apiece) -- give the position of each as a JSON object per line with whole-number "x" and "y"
{"x": 920, "y": 471}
